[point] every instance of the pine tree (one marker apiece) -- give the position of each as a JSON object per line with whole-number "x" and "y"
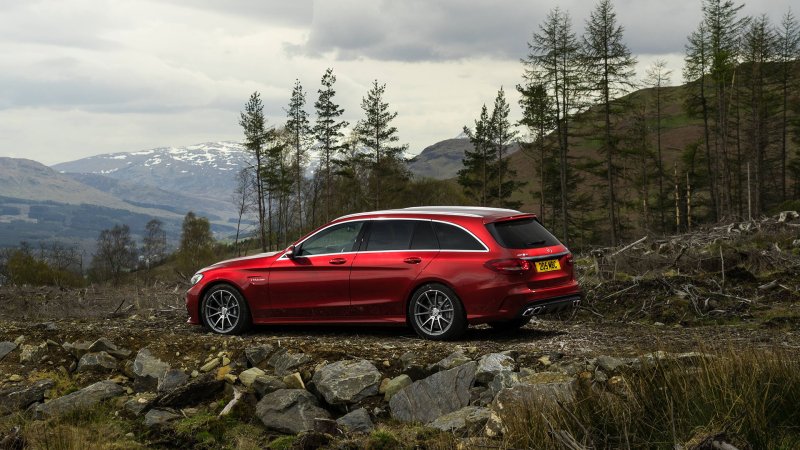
{"x": 254, "y": 124}
{"x": 299, "y": 132}
{"x": 657, "y": 77}
{"x": 609, "y": 68}
{"x": 537, "y": 115}
{"x": 377, "y": 135}
{"x": 788, "y": 36}
{"x": 479, "y": 163}
{"x": 328, "y": 131}
{"x": 503, "y": 135}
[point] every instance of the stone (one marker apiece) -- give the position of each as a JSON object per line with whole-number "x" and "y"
{"x": 413, "y": 365}
{"x": 148, "y": 371}
{"x": 223, "y": 371}
{"x": 230, "y": 378}
{"x": 6, "y": 348}
{"x": 195, "y": 391}
{"x": 467, "y": 421}
{"x": 531, "y": 396}
{"x": 609, "y": 364}
{"x": 19, "y": 398}
{"x": 140, "y": 404}
{"x": 209, "y": 366}
{"x": 258, "y": 354}
{"x": 266, "y": 384}
{"x": 289, "y": 411}
{"x": 32, "y": 353}
{"x": 97, "y": 362}
{"x": 501, "y": 381}
{"x": 284, "y": 362}
{"x": 77, "y": 349}
{"x": 15, "y": 378}
{"x": 454, "y": 359}
{"x": 394, "y": 385}
{"x": 356, "y": 421}
{"x": 347, "y": 381}
{"x": 248, "y": 376}
{"x": 294, "y": 381}
{"x": 441, "y": 393}
{"x": 491, "y": 365}
{"x": 172, "y": 379}
{"x": 104, "y": 345}
{"x": 160, "y": 418}
{"x": 86, "y": 398}
{"x": 382, "y": 386}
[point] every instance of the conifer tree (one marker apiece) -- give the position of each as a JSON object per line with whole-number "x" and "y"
{"x": 537, "y": 116}
{"x": 503, "y": 135}
{"x": 298, "y": 131}
{"x": 788, "y": 42}
{"x": 657, "y": 78}
{"x": 328, "y": 132}
{"x": 254, "y": 124}
{"x": 479, "y": 162}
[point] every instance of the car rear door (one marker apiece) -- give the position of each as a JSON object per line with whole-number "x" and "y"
{"x": 383, "y": 273}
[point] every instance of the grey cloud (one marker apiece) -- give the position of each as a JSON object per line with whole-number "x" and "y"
{"x": 289, "y": 12}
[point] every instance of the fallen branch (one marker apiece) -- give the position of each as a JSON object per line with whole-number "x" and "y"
{"x": 628, "y": 247}
{"x": 237, "y": 394}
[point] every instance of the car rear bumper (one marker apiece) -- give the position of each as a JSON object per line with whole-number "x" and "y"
{"x": 551, "y": 306}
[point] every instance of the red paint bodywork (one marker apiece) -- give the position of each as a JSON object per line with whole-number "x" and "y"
{"x": 375, "y": 287}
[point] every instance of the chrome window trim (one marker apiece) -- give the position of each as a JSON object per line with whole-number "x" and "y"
{"x": 400, "y": 212}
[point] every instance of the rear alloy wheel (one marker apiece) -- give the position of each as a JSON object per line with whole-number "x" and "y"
{"x": 436, "y": 313}
{"x": 225, "y": 311}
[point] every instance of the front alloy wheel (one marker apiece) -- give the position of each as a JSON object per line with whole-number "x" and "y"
{"x": 225, "y": 310}
{"x": 436, "y": 313}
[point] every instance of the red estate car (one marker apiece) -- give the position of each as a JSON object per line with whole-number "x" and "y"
{"x": 435, "y": 268}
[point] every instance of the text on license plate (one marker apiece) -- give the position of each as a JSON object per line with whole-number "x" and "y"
{"x": 547, "y": 266}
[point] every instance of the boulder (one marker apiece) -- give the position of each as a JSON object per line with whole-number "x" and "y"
{"x": 160, "y": 417}
{"x": 77, "y": 349}
{"x": 148, "y": 371}
{"x": 491, "y": 365}
{"x": 609, "y": 364}
{"x": 294, "y": 381}
{"x": 32, "y": 353}
{"x": 501, "y": 381}
{"x": 467, "y": 421}
{"x": 452, "y": 360}
{"x": 6, "y": 348}
{"x": 284, "y": 362}
{"x": 289, "y": 411}
{"x": 104, "y": 345}
{"x": 394, "y": 385}
{"x": 86, "y": 398}
{"x": 439, "y": 394}
{"x": 19, "y": 398}
{"x": 258, "y": 354}
{"x": 248, "y": 376}
{"x": 356, "y": 421}
{"x": 172, "y": 379}
{"x": 413, "y": 366}
{"x": 266, "y": 384}
{"x": 533, "y": 394}
{"x": 199, "y": 389}
{"x": 97, "y": 362}
{"x": 139, "y": 404}
{"x": 347, "y": 381}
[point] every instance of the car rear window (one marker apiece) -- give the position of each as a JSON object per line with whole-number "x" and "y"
{"x": 452, "y": 237}
{"x": 521, "y": 233}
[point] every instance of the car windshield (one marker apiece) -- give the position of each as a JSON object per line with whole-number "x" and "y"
{"x": 521, "y": 233}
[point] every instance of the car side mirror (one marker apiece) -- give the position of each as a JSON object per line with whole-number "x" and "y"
{"x": 290, "y": 252}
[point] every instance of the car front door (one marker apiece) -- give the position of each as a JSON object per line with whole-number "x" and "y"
{"x": 383, "y": 272}
{"x": 314, "y": 283}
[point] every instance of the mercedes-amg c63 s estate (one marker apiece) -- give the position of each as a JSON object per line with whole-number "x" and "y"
{"x": 437, "y": 269}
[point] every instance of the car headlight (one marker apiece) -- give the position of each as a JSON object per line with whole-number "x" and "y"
{"x": 196, "y": 278}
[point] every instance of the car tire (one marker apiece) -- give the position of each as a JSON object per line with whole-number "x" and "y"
{"x": 435, "y": 312}
{"x": 510, "y": 325}
{"x": 224, "y": 310}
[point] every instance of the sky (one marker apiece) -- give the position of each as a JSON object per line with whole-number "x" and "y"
{"x": 84, "y": 77}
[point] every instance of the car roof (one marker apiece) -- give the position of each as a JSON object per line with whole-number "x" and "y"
{"x": 485, "y": 213}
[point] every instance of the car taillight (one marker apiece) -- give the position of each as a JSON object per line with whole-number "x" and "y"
{"x": 511, "y": 265}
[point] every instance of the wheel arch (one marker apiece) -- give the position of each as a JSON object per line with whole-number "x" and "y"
{"x": 419, "y": 284}
{"x": 210, "y": 285}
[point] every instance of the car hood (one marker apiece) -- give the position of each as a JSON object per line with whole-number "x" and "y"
{"x": 238, "y": 261}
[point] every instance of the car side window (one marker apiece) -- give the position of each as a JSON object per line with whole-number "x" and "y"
{"x": 452, "y": 237}
{"x": 424, "y": 236}
{"x": 387, "y": 235}
{"x": 339, "y": 238}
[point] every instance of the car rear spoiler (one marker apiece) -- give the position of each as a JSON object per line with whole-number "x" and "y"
{"x": 510, "y": 218}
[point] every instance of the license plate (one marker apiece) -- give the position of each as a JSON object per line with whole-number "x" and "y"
{"x": 548, "y": 266}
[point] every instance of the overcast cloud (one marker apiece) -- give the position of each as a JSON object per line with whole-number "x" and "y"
{"x": 82, "y": 77}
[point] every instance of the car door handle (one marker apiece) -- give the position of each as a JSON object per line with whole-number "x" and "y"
{"x": 412, "y": 260}
{"x": 337, "y": 261}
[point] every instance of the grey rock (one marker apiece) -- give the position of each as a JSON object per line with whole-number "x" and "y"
{"x": 139, "y": 404}
{"x": 284, "y": 362}
{"x": 394, "y": 385}
{"x": 467, "y": 421}
{"x": 289, "y": 411}
{"x": 104, "y": 345}
{"x": 47, "y": 326}
{"x": 266, "y": 384}
{"x": 19, "y": 398}
{"x": 441, "y": 393}
{"x": 491, "y": 365}
{"x": 160, "y": 417}
{"x": 258, "y": 354}
{"x": 248, "y": 376}
{"x": 347, "y": 381}
{"x": 413, "y": 366}
{"x": 97, "y": 362}
{"x": 195, "y": 391}
{"x": 357, "y": 421}
{"x": 32, "y": 353}
{"x": 148, "y": 370}
{"x": 77, "y": 349}
{"x": 85, "y": 398}
{"x": 172, "y": 379}
{"x": 6, "y": 348}
{"x": 609, "y": 364}
{"x": 503, "y": 380}
{"x": 452, "y": 360}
